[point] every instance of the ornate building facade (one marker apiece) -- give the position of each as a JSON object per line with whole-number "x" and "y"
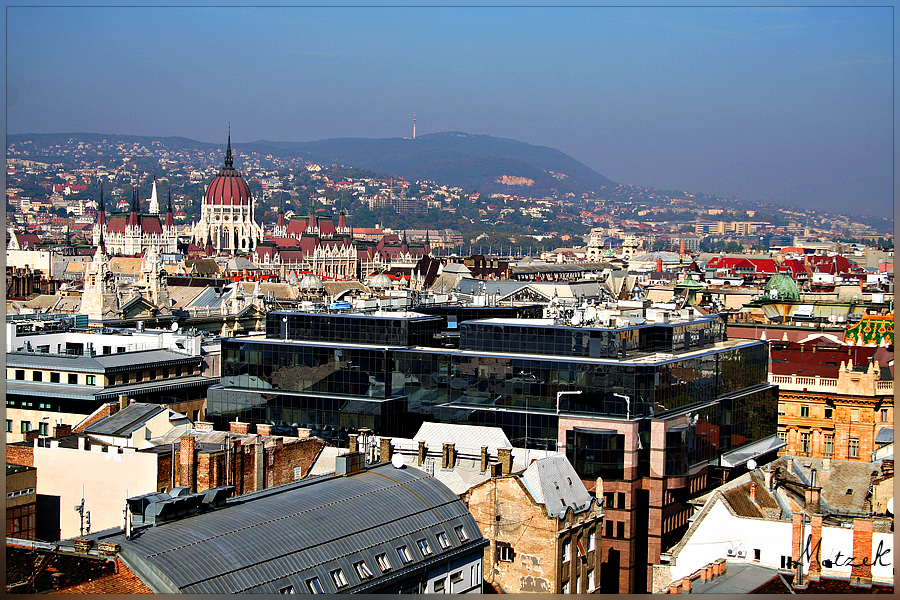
{"x": 227, "y": 224}
{"x": 132, "y": 233}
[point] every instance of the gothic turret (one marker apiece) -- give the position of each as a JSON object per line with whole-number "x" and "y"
{"x": 154, "y": 201}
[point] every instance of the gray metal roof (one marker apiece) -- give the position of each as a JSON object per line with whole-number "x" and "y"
{"x": 91, "y": 392}
{"x": 100, "y": 363}
{"x": 265, "y": 541}
{"x": 553, "y": 482}
{"x": 885, "y": 435}
{"x": 125, "y": 421}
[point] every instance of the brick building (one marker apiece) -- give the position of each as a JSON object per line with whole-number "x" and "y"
{"x": 21, "y": 501}
{"x": 833, "y": 399}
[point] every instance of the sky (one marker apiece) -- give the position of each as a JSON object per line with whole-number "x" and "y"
{"x": 792, "y": 106}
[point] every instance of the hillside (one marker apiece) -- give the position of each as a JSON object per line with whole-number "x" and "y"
{"x": 475, "y": 162}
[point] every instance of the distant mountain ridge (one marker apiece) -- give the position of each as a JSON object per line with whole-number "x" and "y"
{"x": 474, "y": 162}
{"x": 479, "y": 163}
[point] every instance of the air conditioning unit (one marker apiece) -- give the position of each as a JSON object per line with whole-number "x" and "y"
{"x": 741, "y": 554}
{"x": 729, "y": 552}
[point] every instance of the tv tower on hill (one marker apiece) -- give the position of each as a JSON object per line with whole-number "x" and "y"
{"x": 414, "y": 125}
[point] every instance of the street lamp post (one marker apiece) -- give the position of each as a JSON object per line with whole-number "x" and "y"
{"x": 560, "y": 395}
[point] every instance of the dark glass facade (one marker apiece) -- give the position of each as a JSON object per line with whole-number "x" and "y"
{"x": 341, "y": 383}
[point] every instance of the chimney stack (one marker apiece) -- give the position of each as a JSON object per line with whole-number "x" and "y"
{"x": 263, "y": 429}
{"x": 815, "y": 543}
{"x": 484, "y": 458}
{"x": 504, "y": 456}
{"x": 61, "y": 430}
{"x": 239, "y": 428}
{"x": 861, "y": 571}
{"x": 422, "y": 453}
{"x": 354, "y": 442}
{"x": 384, "y": 451}
{"x": 123, "y": 401}
{"x": 448, "y": 456}
{"x": 753, "y": 491}
{"x": 186, "y": 461}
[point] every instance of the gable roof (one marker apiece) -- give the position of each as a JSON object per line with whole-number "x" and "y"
{"x": 265, "y": 541}
{"x": 125, "y": 421}
{"x": 553, "y": 482}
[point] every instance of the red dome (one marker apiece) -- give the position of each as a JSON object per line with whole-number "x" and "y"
{"x": 228, "y": 187}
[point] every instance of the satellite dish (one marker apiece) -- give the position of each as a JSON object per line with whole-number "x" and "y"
{"x": 751, "y": 464}
{"x": 174, "y": 326}
{"x": 890, "y": 506}
{"x": 397, "y": 461}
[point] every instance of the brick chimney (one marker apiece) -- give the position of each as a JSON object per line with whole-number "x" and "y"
{"x": 484, "y": 458}
{"x": 303, "y": 432}
{"x": 504, "y": 457}
{"x": 354, "y": 441}
{"x": 61, "y": 430}
{"x": 753, "y": 491}
{"x": 123, "y": 401}
{"x": 186, "y": 462}
{"x": 815, "y": 548}
{"x": 203, "y": 426}
{"x": 797, "y": 548}
{"x": 385, "y": 449}
{"x": 826, "y": 464}
{"x": 31, "y": 435}
{"x": 263, "y": 429}
{"x": 813, "y": 493}
{"x": 861, "y": 572}
{"x": 448, "y": 456}
{"x": 239, "y": 428}
{"x": 423, "y": 451}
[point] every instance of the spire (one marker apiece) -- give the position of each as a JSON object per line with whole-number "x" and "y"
{"x": 170, "y": 215}
{"x": 229, "y": 161}
{"x": 101, "y": 211}
{"x": 154, "y": 201}
{"x": 134, "y": 219}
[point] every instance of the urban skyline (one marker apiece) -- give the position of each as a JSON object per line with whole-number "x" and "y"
{"x": 789, "y": 106}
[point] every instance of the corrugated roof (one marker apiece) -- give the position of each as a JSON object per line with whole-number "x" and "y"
{"x": 885, "y": 435}
{"x": 265, "y": 541}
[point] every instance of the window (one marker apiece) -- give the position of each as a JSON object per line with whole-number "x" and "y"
{"x": 757, "y": 554}
{"x": 37, "y": 375}
{"x": 853, "y": 447}
{"x": 566, "y": 550}
{"x": 285, "y": 590}
{"x": 20, "y": 375}
{"x": 609, "y": 529}
{"x": 89, "y": 380}
{"x": 620, "y": 529}
{"x": 854, "y": 415}
{"x": 362, "y": 569}
{"x": 43, "y": 428}
{"x": 403, "y": 552}
{"x": 828, "y": 412}
{"x": 337, "y": 576}
{"x": 590, "y": 580}
{"x": 439, "y": 586}
{"x": 383, "y": 563}
{"x": 9, "y": 423}
{"x": 780, "y": 409}
{"x": 785, "y": 562}
{"x": 443, "y": 541}
{"x": 54, "y": 377}
{"x": 884, "y": 415}
{"x": 456, "y": 577}
{"x": 829, "y": 444}
{"x": 805, "y": 441}
{"x": 461, "y": 533}
{"x": 782, "y": 435}
{"x": 423, "y": 546}
{"x": 73, "y": 379}
{"x": 26, "y": 426}
{"x": 804, "y": 410}
{"x": 505, "y": 552}
{"x": 620, "y": 500}
{"x": 108, "y": 350}
{"x": 565, "y": 587}
{"x": 314, "y": 586}
{"x": 590, "y": 539}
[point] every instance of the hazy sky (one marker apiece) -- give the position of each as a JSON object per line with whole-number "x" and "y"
{"x": 786, "y": 105}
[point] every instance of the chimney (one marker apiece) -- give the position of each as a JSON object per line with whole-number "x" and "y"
{"x": 815, "y": 550}
{"x": 504, "y": 456}
{"x": 61, "y": 430}
{"x": 861, "y": 571}
{"x": 239, "y": 428}
{"x": 674, "y": 588}
{"x": 797, "y": 548}
{"x": 263, "y": 429}
{"x": 203, "y": 426}
{"x": 123, "y": 401}
{"x": 186, "y": 461}
{"x": 354, "y": 441}
{"x": 826, "y": 464}
{"x": 303, "y": 432}
{"x": 81, "y": 444}
{"x": 790, "y": 464}
{"x": 484, "y": 458}
{"x": 31, "y": 435}
{"x": 753, "y": 491}
{"x": 686, "y": 585}
{"x": 445, "y": 457}
{"x": 384, "y": 451}
{"x": 422, "y": 453}
{"x": 768, "y": 475}
{"x": 813, "y": 493}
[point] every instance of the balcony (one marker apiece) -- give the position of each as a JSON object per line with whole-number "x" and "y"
{"x": 798, "y": 383}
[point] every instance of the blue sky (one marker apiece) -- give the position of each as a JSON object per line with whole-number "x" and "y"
{"x": 786, "y": 105}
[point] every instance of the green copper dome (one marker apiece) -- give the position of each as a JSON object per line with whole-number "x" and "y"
{"x": 785, "y": 287}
